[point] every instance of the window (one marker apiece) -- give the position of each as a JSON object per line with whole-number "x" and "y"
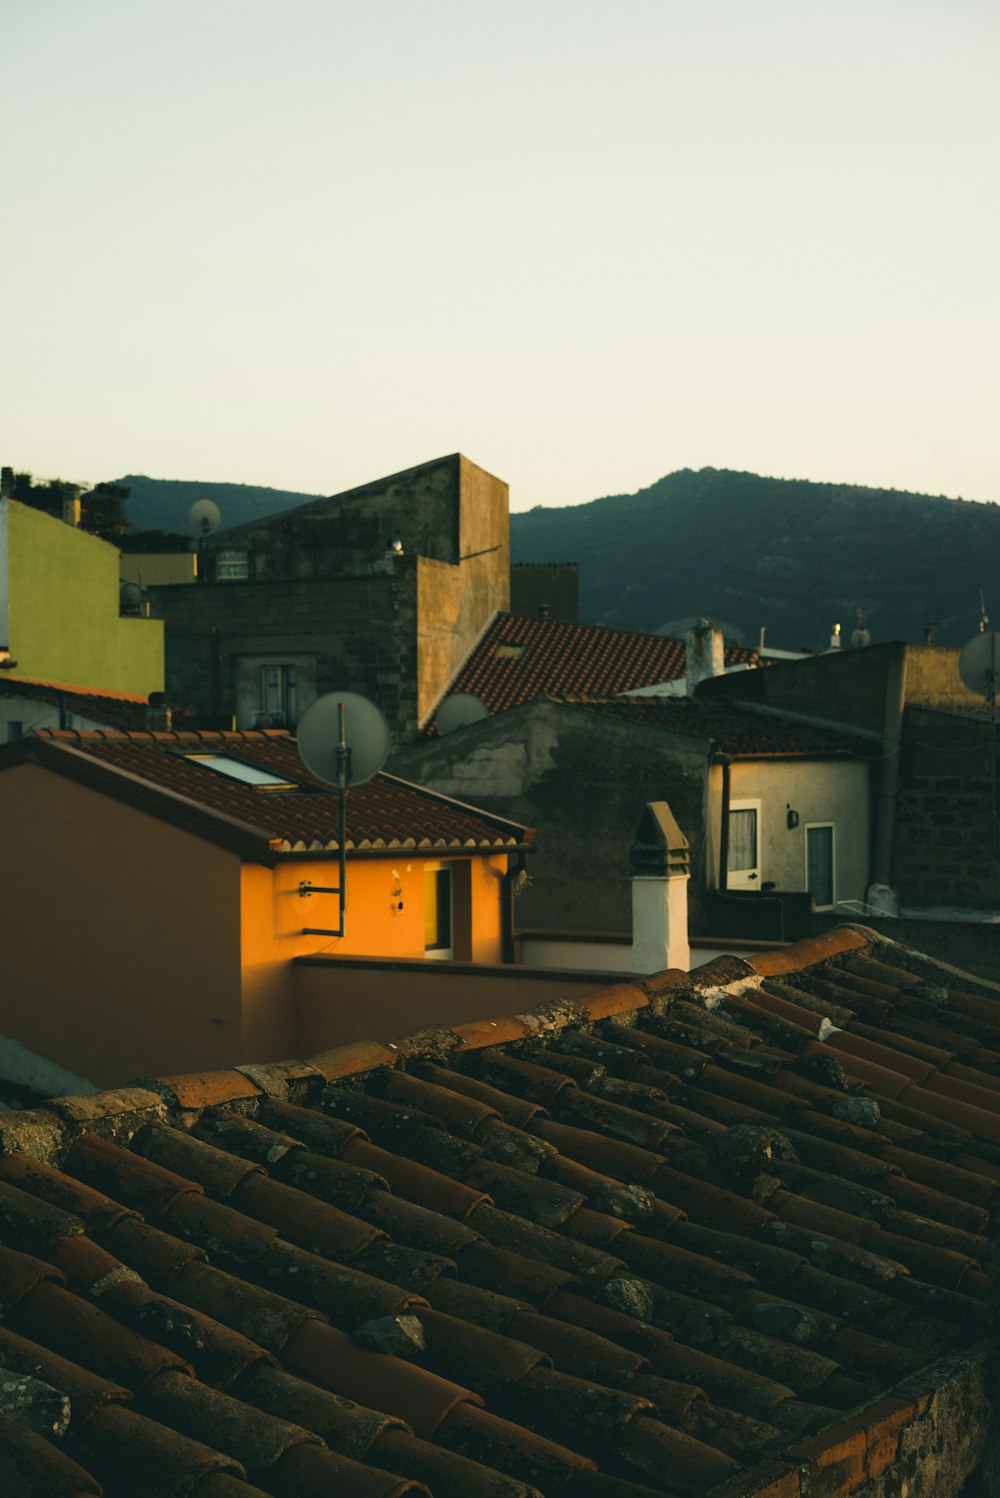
{"x": 238, "y": 769}
{"x": 15, "y": 729}
{"x": 231, "y": 564}
{"x": 278, "y": 699}
{"x": 437, "y": 911}
{"x": 743, "y": 862}
{"x": 819, "y": 864}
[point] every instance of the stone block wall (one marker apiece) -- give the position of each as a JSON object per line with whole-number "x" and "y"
{"x": 321, "y": 594}
{"x": 945, "y": 853}
{"x": 360, "y": 634}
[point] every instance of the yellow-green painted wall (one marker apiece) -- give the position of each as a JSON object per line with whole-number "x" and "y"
{"x": 59, "y": 608}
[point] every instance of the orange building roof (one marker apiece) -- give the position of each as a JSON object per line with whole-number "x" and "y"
{"x": 520, "y": 658}
{"x": 719, "y": 1233}
{"x": 171, "y": 775}
{"x": 123, "y": 710}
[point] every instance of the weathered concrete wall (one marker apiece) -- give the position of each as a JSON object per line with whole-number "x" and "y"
{"x": 848, "y": 686}
{"x": 349, "y": 532}
{"x": 322, "y": 596}
{"x": 582, "y": 782}
{"x": 359, "y": 633}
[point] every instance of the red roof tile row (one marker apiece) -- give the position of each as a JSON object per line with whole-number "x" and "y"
{"x": 660, "y": 1240}
{"x": 520, "y": 658}
{"x": 122, "y": 710}
{"x": 164, "y": 773}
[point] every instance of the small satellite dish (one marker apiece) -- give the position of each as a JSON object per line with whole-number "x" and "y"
{"x": 129, "y": 598}
{"x": 204, "y": 516}
{"x": 979, "y": 664}
{"x": 459, "y": 710}
{"x": 366, "y": 734}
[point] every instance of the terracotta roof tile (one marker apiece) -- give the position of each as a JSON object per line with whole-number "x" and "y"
{"x": 520, "y": 658}
{"x": 658, "y": 1250}
{"x": 34, "y": 1466}
{"x": 121, "y": 710}
{"x": 164, "y": 775}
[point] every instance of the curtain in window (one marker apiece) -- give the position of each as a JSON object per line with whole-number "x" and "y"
{"x": 742, "y": 839}
{"x": 819, "y": 863}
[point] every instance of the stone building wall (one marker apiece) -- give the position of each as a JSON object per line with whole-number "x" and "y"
{"x": 945, "y": 853}
{"x": 582, "y": 782}
{"x": 322, "y": 595}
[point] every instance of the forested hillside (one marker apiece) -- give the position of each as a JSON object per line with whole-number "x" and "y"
{"x": 782, "y": 554}
{"x": 787, "y": 555}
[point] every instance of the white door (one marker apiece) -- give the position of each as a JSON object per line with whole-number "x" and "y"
{"x": 743, "y": 864}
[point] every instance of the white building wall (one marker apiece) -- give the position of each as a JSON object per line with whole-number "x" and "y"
{"x": 835, "y": 791}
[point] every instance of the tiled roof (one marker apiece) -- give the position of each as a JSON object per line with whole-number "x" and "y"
{"x": 520, "y": 658}
{"x": 718, "y": 1233}
{"x": 732, "y": 729}
{"x": 153, "y": 770}
{"x": 124, "y": 710}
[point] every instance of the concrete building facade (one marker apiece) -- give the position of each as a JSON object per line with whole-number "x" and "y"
{"x": 381, "y": 590}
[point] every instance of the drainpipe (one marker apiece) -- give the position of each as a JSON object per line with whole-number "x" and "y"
{"x": 725, "y": 762}
{"x": 888, "y": 782}
{"x": 514, "y": 871}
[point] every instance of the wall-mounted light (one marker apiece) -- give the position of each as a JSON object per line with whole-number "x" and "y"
{"x": 396, "y": 546}
{"x": 791, "y": 818}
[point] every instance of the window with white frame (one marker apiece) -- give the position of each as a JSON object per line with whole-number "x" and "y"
{"x": 743, "y": 860}
{"x": 820, "y": 864}
{"x": 232, "y": 564}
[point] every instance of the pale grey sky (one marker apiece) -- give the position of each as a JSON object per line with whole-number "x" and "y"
{"x": 305, "y": 242}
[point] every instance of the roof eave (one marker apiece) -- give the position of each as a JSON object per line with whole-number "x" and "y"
{"x": 249, "y": 843}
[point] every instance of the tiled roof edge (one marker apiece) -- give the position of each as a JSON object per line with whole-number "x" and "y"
{"x": 157, "y": 801}
{"x": 931, "y": 969}
{"x": 47, "y": 1131}
{"x": 66, "y": 689}
{"x": 810, "y": 950}
{"x": 882, "y": 1444}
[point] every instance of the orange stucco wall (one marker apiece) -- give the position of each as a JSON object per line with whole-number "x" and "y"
{"x": 274, "y": 913}
{"x": 119, "y": 934}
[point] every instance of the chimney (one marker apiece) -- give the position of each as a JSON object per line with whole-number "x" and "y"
{"x": 159, "y": 717}
{"x": 705, "y": 655}
{"x": 71, "y": 504}
{"x": 659, "y": 867}
{"x": 6, "y": 483}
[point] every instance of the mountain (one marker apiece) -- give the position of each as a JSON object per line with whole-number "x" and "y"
{"x": 163, "y": 504}
{"x": 787, "y": 555}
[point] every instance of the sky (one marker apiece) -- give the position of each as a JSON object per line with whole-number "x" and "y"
{"x": 306, "y": 243}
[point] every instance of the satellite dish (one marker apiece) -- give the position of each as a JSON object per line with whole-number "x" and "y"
{"x": 366, "y": 734}
{"x": 459, "y": 710}
{"x": 129, "y": 598}
{"x": 979, "y": 664}
{"x": 204, "y": 516}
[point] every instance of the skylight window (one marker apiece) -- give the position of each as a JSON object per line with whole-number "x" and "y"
{"x": 238, "y": 769}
